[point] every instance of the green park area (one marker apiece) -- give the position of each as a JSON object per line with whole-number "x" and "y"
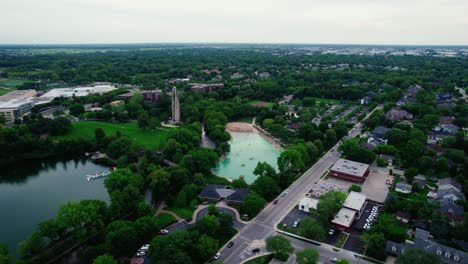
{"x": 259, "y": 103}
{"x": 149, "y": 138}
{"x": 11, "y": 83}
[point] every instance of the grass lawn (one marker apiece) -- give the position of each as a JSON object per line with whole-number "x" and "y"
{"x": 5, "y": 91}
{"x": 151, "y": 139}
{"x": 341, "y": 240}
{"x": 185, "y": 213}
{"x": 11, "y": 82}
{"x": 213, "y": 179}
{"x": 164, "y": 219}
{"x": 261, "y": 103}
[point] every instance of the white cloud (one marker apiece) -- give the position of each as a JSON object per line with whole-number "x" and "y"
{"x": 302, "y": 21}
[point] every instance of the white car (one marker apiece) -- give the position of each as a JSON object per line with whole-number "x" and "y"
{"x": 217, "y": 256}
{"x": 144, "y": 247}
{"x": 141, "y": 253}
{"x": 296, "y": 223}
{"x": 331, "y": 232}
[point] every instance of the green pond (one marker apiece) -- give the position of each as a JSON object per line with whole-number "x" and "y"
{"x": 247, "y": 149}
{"x": 32, "y": 192}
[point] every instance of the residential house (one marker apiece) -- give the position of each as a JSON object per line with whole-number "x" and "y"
{"x": 440, "y": 132}
{"x": 409, "y": 96}
{"x": 397, "y": 114}
{"x": 444, "y": 99}
{"x": 449, "y": 190}
{"x": 377, "y": 136}
{"x": 403, "y": 188}
{"x": 237, "y": 76}
{"x": 452, "y": 210}
{"x": 403, "y": 217}
{"x": 264, "y": 75}
{"x": 423, "y": 241}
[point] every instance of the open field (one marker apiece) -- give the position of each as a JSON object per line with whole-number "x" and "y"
{"x": 151, "y": 139}
{"x": 261, "y": 103}
{"x": 9, "y": 83}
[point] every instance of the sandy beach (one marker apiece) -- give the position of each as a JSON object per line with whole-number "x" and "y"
{"x": 241, "y": 127}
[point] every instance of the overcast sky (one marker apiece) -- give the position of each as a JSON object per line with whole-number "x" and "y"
{"x": 427, "y": 22}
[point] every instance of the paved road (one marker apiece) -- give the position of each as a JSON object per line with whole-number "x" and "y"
{"x": 263, "y": 226}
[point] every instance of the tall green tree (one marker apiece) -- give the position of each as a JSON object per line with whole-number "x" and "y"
{"x": 105, "y": 259}
{"x": 307, "y": 256}
{"x": 280, "y": 247}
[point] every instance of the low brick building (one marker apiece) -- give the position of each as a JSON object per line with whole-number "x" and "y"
{"x": 349, "y": 170}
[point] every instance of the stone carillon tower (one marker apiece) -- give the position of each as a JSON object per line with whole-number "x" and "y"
{"x": 175, "y": 106}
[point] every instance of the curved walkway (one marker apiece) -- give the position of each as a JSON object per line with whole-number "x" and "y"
{"x": 199, "y": 213}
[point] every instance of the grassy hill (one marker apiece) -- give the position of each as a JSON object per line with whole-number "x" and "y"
{"x": 151, "y": 139}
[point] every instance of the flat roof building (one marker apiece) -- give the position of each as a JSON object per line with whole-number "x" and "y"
{"x": 205, "y": 87}
{"x": 306, "y": 204}
{"x": 349, "y": 170}
{"x": 344, "y": 218}
{"x": 78, "y": 91}
{"x": 15, "y": 109}
{"x": 357, "y": 202}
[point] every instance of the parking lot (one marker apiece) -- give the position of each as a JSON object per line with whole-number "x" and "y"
{"x": 330, "y": 184}
{"x": 359, "y": 223}
{"x": 332, "y": 239}
{"x": 293, "y": 215}
{"x": 354, "y": 242}
{"x": 376, "y": 187}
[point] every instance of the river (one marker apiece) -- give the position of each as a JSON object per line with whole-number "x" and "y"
{"x": 33, "y": 191}
{"x": 247, "y": 149}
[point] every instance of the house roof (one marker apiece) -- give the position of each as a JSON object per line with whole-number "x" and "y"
{"x": 453, "y": 210}
{"x": 344, "y": 217}
{"x": 217, "y": 191}
{"x": 422, "y": 241}
{"x": 403, "y": 187}
{"x": 445, "y": 182}
{"x": 356, "y": 169}
{"x": 403, "y": 215}
{"x": 380, "y": 131}
{"x": 445, "y": 193}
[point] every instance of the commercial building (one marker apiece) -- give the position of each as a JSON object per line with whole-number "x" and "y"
{"x": 344, "y": 218}
{"x": 357, "y": 202}
{"x": 349, "y": 170}
{"x": 78, "y": 91}
{"x": 353, "y": 207}
{"x": 205, "y": 88}
{"x": 15, "y": 109}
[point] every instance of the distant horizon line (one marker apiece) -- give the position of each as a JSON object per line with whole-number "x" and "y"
{"x": 232, "y": 43}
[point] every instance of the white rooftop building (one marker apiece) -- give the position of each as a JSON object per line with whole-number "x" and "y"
{"x": 78, "y": 91}
{"x": 306, "y": 204}
{"x": 357, "y": 202}
{"x": 344, "y": 218}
